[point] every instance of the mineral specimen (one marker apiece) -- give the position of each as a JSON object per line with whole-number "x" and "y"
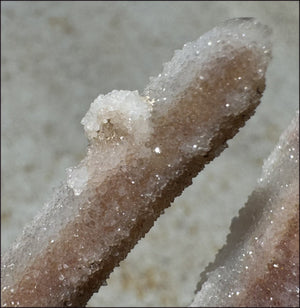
{"x": 259, "y": 265}
{"x": 144, "y": 150}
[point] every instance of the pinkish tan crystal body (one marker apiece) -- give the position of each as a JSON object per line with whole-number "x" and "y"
{"x": 259, "y": 266}
{"x": 144, "y": 150}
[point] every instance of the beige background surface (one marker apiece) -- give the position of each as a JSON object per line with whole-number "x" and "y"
{"x": 58, "y": 56}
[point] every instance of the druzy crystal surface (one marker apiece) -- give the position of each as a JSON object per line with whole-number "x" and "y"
{"x": 259, "y": 266}
{"x": 144, "y": 150}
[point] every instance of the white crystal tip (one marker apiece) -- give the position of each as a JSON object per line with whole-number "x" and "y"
{"x": 222, "y": 42}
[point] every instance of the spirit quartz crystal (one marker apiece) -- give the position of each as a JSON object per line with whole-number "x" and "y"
{"x": 143, "y": 151}
{"x": 259, "y": 265}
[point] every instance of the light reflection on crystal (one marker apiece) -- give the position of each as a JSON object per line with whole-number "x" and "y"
{"x": 157, "y": 150}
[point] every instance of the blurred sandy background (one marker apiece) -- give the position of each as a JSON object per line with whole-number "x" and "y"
{"x": 58, "y": 56}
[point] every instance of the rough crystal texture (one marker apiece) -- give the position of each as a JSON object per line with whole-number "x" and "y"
{"x": 126, "y": 111}
{"x": 144, "y": 150}
{"x": 259, "y": 266}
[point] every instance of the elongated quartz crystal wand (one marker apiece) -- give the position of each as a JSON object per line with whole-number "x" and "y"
{"x": 143, "y": 151}
{"x": 259, "y": 266}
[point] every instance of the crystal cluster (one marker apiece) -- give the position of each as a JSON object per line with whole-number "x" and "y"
{"x": 126, "y": 111}
{"x": 259, "y": 265}
{"x": 144, "y": 150}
